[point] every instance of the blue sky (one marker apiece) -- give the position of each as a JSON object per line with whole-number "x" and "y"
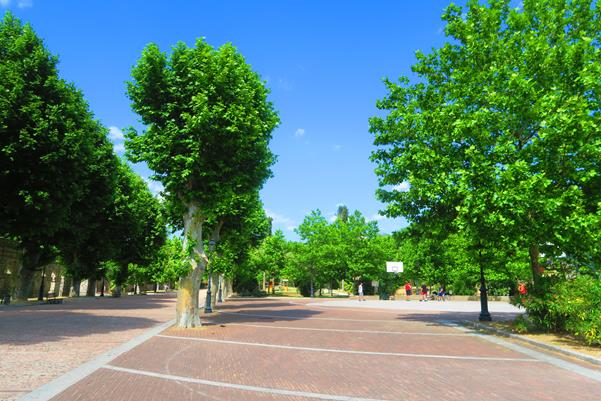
{"x": 323, "y": 61}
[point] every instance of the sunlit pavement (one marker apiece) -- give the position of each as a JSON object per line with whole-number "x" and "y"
{"x": 282, "y": 349}
{"x": 451, "y": 306}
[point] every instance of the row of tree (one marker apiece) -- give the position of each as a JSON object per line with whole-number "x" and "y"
{"x": 64, "y": 191}
{"x": 350, "y": 249}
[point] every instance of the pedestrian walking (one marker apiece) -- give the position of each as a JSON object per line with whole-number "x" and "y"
{"x": 407, "y": 290}
{"x": 360, "y": 291}
{"x": 522, "y": 288}
{"x": 424, "y": 293}
{"x": 441, "y": 293}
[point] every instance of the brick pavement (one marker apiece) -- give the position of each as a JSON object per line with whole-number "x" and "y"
{"x": 41, "y": 342}
{"x": 406, "y": 355}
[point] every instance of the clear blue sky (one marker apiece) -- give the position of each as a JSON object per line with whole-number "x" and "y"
{"x": 323, "y": 60}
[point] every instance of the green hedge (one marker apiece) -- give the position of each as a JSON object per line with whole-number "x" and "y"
{"x": 569, "y": 306}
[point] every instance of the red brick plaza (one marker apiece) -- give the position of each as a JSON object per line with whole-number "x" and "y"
{"x": 283, "y": 349}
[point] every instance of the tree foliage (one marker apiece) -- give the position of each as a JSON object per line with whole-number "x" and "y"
{"x": 500, "y": 136}
{"x": 209, "y": 124}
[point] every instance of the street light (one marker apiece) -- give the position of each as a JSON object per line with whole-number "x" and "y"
{"x": 208, "y": 308}
{"x": 484, "y": 313}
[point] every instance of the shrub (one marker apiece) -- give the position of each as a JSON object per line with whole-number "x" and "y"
{"x": 571, "y": 306}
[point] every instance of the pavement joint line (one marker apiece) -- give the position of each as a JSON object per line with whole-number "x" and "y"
{"x": 61, "y": 383}
{"x": 539, "y": 356}
{"x": 345, "y": 351}
{"x": 404, "y": 333}
{"x": 243, "y": 387}
{"x": 306, "y": 318}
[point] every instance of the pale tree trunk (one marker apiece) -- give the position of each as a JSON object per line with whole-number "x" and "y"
{"x": 227, "y": 288}
{"x": 187, "y": 294}
{"x": 214, "y": 289}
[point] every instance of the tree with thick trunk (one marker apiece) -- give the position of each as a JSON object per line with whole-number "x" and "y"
{"x": 209, "y": 124}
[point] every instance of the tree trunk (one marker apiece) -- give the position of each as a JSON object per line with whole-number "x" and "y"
{"x": 228, "y": 288}
{"x": 214, "y": 289}
{"x": 91, "y": 291}
{"x": 331, "y": 291}
{"x": 31, "y": 259}
{"x": 66, "y": 286}
{"x": 187, "y": 294}
{"x": 535, "y": 265}
{"x": 75, "y": 287}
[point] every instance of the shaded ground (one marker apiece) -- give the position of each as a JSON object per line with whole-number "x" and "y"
{"x": 39, "y": 343}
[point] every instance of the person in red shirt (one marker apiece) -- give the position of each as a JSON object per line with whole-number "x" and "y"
{"x": 522, "y": 289}
{"x": 407, "y": 290}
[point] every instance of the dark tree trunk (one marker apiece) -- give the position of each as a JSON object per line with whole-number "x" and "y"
{"x": 91, "y": 291}
{"x": 31, "y": 259}
{"x": 535, "y": 265}
{"x": 75, "y": 288}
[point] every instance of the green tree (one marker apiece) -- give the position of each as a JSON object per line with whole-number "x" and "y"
{"x": 270, "y": 256}
{"x": 208, "y": 128}
{"x": 50, "y": 149}
{"x": 500, "y": 138}
{"x": 138, "y": 226}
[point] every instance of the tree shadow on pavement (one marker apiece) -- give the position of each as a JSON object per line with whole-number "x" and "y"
{"x": 39, "y": 326}
{"x": 443, "y": 318}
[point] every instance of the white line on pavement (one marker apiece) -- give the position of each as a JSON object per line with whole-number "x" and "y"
{"x": 305, "y": 318}
{"x": 239, "y": 386}
{"x": 61, "y": 383}
{"x": 345, "y": 351}
{"x": 403, "y": 333}
{"x": 539, "y": 356}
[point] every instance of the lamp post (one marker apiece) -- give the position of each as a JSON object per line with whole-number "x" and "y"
{"x": 484, "y": 313}
{"x": 208, "y": 308}
{"x": 42, "y": 285}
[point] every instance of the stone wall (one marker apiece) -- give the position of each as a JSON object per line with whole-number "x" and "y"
{"x": 55, "y": 284}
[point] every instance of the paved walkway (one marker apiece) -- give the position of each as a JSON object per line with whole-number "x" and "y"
{"x": 41, "y": 342}
{"x": 439, "y": 306}
{"x": 278, "y": 349}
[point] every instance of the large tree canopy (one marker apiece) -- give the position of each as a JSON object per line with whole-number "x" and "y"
{"x": 209, "y": 124}
{"x": 501, "y": 137}
{"x": 52, "y": 151}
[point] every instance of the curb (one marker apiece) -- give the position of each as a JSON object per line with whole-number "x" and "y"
{"x": 56, "y": 386}
{"x": 550, "y": 347}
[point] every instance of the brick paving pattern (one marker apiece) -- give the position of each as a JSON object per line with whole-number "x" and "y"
{"x": 413, "y": 356}
{"x": 39, "y": 343}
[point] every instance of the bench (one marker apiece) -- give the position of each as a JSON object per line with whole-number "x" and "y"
{"x": 52, "y": 299}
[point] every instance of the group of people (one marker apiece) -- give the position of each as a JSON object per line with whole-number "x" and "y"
{"x": 424, "y": 291}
